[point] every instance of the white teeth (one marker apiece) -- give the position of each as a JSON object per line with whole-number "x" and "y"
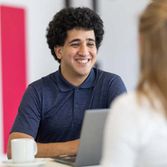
{"x": 83, "y": 61}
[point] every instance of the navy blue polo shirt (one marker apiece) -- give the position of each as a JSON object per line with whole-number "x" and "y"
{"x": 52, "y": 109}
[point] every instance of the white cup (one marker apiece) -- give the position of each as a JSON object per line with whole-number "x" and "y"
{"x": 23, "y": 150}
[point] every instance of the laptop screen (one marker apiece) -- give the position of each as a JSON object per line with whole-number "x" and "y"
{"x": 91, "y": 140}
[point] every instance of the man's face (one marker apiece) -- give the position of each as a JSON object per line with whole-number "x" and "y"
{"x": 78, "y": 55}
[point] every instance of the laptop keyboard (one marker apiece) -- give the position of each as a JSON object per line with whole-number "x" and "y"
{"x": 66, "y": 159}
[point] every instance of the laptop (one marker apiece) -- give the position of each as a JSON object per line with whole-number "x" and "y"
{"x": 91, "y": 140}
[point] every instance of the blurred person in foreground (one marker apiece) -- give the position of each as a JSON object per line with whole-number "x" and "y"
{"x": 136, "y": 129}
{"x": 52, "y": 108}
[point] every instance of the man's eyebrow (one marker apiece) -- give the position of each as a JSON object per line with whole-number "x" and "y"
{"x": 91, "y": 39}
{"x": 78, "y": 40}
{"x": 74, "y": 40}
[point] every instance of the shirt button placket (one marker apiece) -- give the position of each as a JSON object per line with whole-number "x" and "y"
{"x": 76, "y": 104}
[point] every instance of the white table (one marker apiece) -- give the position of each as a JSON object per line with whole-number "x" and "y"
{"x": 49, "y": 163}
{"x": 54, "y": 164}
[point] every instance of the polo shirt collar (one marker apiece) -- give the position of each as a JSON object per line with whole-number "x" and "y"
{"x": 64, "y": 85}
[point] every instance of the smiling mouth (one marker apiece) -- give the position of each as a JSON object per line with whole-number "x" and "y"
{"x": 84, "y": 61}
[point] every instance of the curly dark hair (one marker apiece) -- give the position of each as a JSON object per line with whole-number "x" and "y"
{"x": 70, "y": 18}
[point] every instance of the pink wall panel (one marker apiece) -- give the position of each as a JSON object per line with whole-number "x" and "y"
{"x": 13, "y": 56}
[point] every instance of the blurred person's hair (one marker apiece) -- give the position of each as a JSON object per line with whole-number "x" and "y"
{"x": 153, "y": 51}
{"x": 73, "y": 18}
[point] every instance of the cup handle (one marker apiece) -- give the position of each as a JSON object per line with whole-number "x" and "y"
{"x": 35, "y": 148}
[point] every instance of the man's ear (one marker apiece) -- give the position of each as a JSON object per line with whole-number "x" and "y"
{"x": 58, "y": 52}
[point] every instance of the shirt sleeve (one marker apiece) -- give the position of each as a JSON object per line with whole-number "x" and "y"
{"x": 29, "y": 113}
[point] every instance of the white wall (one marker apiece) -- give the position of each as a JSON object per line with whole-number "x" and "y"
{"x": 119, "y": 51}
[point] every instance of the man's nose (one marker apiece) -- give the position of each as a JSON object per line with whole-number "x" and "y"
{"x": 83, "y": 50}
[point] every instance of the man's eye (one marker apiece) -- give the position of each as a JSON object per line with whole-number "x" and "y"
{"x": 75, "y": 44}
{"x": 91, "y": 44}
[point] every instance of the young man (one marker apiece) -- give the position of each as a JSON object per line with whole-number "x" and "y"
{"x": 53, "y": 107}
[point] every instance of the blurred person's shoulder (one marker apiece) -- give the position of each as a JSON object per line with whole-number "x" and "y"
{"x": 126, "y": 99}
